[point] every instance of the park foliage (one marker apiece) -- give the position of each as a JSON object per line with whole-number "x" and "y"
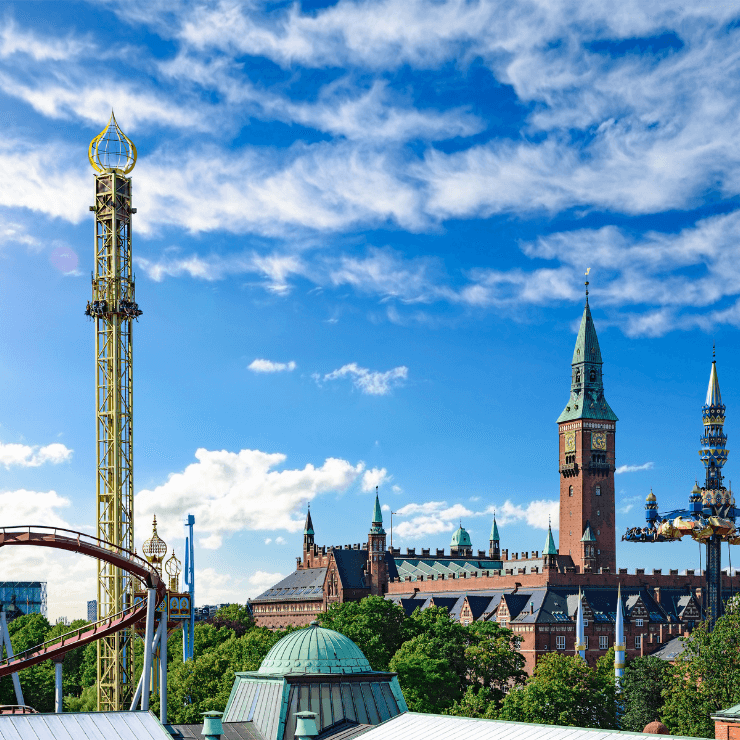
{"x": 443, "y": 666}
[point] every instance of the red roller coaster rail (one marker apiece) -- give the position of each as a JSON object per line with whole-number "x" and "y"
{"x": 67, "y": 539}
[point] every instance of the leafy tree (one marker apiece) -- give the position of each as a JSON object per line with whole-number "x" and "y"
{"x": 564, "y": 690}
{"x": 705, "y": 677}
{"x": 477, "y": 701}
{"x": 234, "y": 616}
{"x": 428, "y": 683}
{"x": 642, "y": 686}
{"x": 493, "y": 660}
{"x": 374, "y": 624}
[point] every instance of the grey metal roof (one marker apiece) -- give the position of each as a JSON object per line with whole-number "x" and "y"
{"x": 232, "y": 731}
{"x": 301, "y": 585}
{"x": 257, "y": 701}
{"x": 83, "y": 726}
{"x": 671, "y": 650}
{"x": 413, "y": 726}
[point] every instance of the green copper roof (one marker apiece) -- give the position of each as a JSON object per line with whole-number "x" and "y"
{"x": 550, "y": 548}
{"x": 494, "y": 532}
{"x": 588, "y": 535}
{"x": 714, "y": 397}
{"x": 587, "y": 389}
{"x": 587, "y": 343}
{"x": 461, "y": 538}
{"x": 308, "y": 529}
{"x": 377, "y": 527}
{"x": 314, "y": 650}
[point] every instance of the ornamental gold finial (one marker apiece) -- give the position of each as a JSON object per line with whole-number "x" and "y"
{"x": 111, "y": 150}
{"x": 155, "y": 548}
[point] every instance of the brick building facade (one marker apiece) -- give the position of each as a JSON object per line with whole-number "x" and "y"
{"x": 533, "y": 593}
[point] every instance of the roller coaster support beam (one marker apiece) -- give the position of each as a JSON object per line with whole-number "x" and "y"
{"x": 5, "y": 639}
{"x": 163, "y": 669}
{"x": 136, "y": 701}
{"x": 58, "y": 692}
{"x": 148, "y": 637}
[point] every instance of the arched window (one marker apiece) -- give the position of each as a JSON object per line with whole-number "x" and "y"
{"x": 570, "y": 491}
{"x": 592, "y": 375}
{"x": 598, "y": 490}
{"x": 578, "y": 376}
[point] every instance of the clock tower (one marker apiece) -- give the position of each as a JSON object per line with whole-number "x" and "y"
{"x": 586, "y": 437}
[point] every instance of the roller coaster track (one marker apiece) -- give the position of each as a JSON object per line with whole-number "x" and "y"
{"x": 67, "y": 539}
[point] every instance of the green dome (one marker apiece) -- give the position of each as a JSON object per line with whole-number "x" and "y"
{"x": 461, "y": 538}
{"x": 314, "y": 650}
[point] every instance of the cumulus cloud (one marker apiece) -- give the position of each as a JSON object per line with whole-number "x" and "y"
{"x": 71, "y": 578}
{"x": 261, "y": 580}
{"x": 370, "y": 382}
{"x": 433, "y": 517}
{"x": 27, "y": 456}
{"x": 375, "y": 477}
{"x": 535, "y": 514}
{"x": 634, "y": 468}
{"x": 247, "y": 490}
{"x": 268, "y": 366}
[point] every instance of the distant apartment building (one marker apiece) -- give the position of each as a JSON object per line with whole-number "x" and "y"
{"x": 92, "y": 610}
{"x": 208, "y": 611}
{"x": 23, "y": 597}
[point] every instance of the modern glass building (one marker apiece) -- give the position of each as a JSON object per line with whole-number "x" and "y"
{"x": 23, "y": 597}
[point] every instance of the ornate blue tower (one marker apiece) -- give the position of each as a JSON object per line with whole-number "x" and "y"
{"x": 711, "y": 514}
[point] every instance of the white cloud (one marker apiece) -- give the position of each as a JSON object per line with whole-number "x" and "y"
{"x": 429, "y": 518}
{"x": 27, "y": 456}
{"x": 535, "y": 514}
{"x": 217, "y": 587}
{"x": 634, "y": 468}
{"x": 375, "y": 477}
{"x": 247, "y": 490}
{"x": 268, "y": 540}
{"x": 260, "y": 581}
{"x": 267, "y": 366}
{"x": 70, "y": 577}
{"x": 625, "y": 509}
{"x": 434, "y": 517}
{"x": 370, "y": 382}
{"x": 280, "y": 540}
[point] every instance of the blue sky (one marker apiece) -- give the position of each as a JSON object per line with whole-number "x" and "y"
{"x": 360, "y": 244}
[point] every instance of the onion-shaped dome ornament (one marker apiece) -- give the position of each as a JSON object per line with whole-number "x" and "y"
{"x": 111, "y": 150}
{"x": 155, "y": 548}
{"x": 173, "y": 568}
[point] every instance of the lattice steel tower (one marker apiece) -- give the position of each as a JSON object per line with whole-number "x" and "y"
{"x": 113, "y": 307}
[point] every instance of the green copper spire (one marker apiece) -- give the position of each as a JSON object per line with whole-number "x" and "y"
{"x": 308, "y": 529}
{"x": 377, "y": 526}
{"x": 550, "y": 548}
{"x": 494, "y": 531}
{"x": 588, "y": 535}
{"x": 587, "y": 386}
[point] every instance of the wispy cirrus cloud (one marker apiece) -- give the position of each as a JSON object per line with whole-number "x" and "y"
{"x": 369, "y": 382}
{"x": 634, "y": 468}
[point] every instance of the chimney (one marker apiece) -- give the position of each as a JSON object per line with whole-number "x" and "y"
{"x": 305, "y": 726}
{"x": 656, "y": 594}
{"x": 212, "y": 727}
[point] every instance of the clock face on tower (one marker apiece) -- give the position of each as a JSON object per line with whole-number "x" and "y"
{"x": 598, "y": 441}
{"x": 570, "y": 442}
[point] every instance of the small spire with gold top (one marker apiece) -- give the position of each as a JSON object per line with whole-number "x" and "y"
{"x": 173, "y": 568}
{"x": 155, "y": 548}
{"x": 111, "y": 150}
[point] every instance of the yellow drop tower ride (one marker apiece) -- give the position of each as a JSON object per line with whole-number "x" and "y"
{"x": 113, "y": 308}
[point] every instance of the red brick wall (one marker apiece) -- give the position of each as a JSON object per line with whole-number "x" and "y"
{"x": 584, "y": 506}
{"x": 726, "y": 730}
